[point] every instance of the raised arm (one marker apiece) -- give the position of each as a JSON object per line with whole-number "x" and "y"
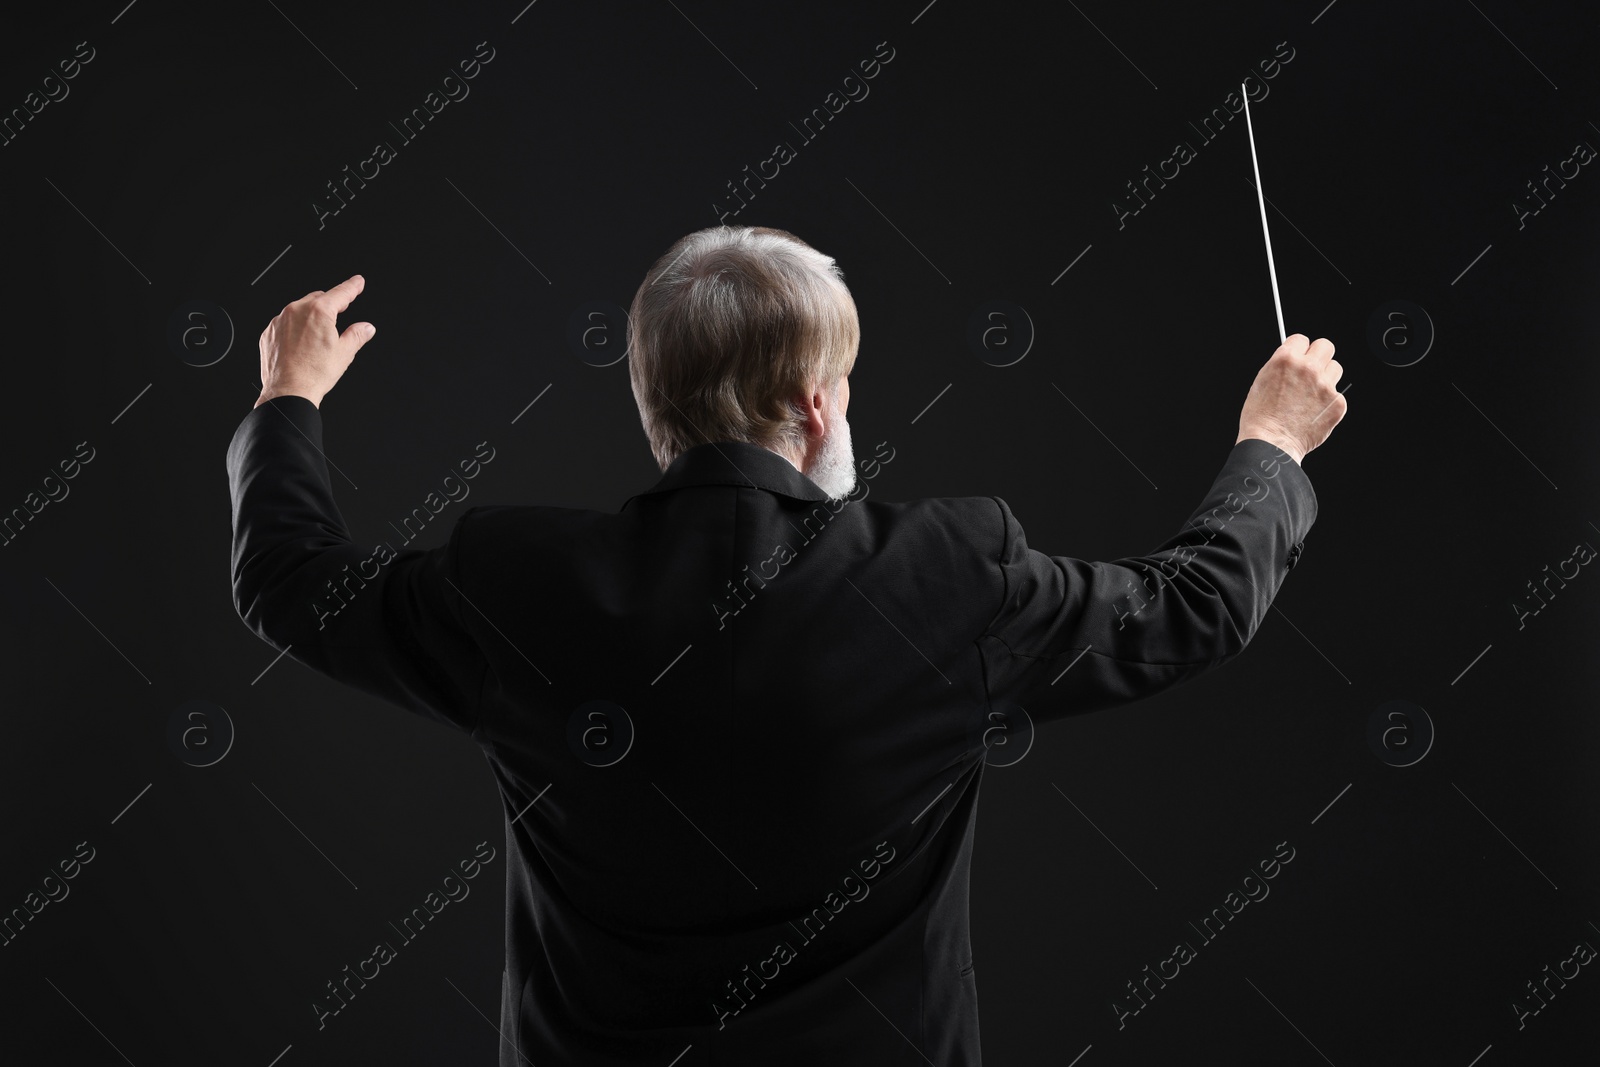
{"x": 389, "y": 622}
{"x": 1074, "y": 636}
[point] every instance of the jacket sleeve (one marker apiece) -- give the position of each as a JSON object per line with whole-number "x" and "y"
{"x": 1074, "y": 636}
{"x": 387, "y": 622}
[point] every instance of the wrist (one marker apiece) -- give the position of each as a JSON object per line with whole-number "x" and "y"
{"x": 1282, "y": 441}
{"x": 273, "y": 391}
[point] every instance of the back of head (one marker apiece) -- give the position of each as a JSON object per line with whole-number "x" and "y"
{"x": 730, "y": 326}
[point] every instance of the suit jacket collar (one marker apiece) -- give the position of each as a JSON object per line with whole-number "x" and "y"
{"x": 735, "y": 463}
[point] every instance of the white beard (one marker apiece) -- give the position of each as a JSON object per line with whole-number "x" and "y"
{"x": 834, "y": 468}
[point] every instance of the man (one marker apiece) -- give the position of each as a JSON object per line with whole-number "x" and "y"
{"x": 739, "y": 726}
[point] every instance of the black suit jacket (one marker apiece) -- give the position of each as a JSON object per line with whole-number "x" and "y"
{"x": 739, "y": 729}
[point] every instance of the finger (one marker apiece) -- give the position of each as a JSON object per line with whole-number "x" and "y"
{"x": 1320, "y": 352}
{"x": 1337, "y": 408}
{"x": 357, "y": 334}
{"x": 339, "y": 297}
{"x": 1295, "y": 344}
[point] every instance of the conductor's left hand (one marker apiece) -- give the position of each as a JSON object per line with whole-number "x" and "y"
{"x": 302, "y": 351}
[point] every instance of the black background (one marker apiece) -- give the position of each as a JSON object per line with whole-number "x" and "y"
{"x": 985, "y": 161}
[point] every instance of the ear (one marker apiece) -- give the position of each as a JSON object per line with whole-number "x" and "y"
{"x": 815, "y": 405}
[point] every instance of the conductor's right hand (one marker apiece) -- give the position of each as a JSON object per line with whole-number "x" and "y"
{"x": 1293, "y": 403}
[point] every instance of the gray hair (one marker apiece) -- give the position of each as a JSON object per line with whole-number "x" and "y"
{"x": 730, "y": 326}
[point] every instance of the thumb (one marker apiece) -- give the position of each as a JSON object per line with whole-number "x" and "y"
{"x": 357, "y": 334}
